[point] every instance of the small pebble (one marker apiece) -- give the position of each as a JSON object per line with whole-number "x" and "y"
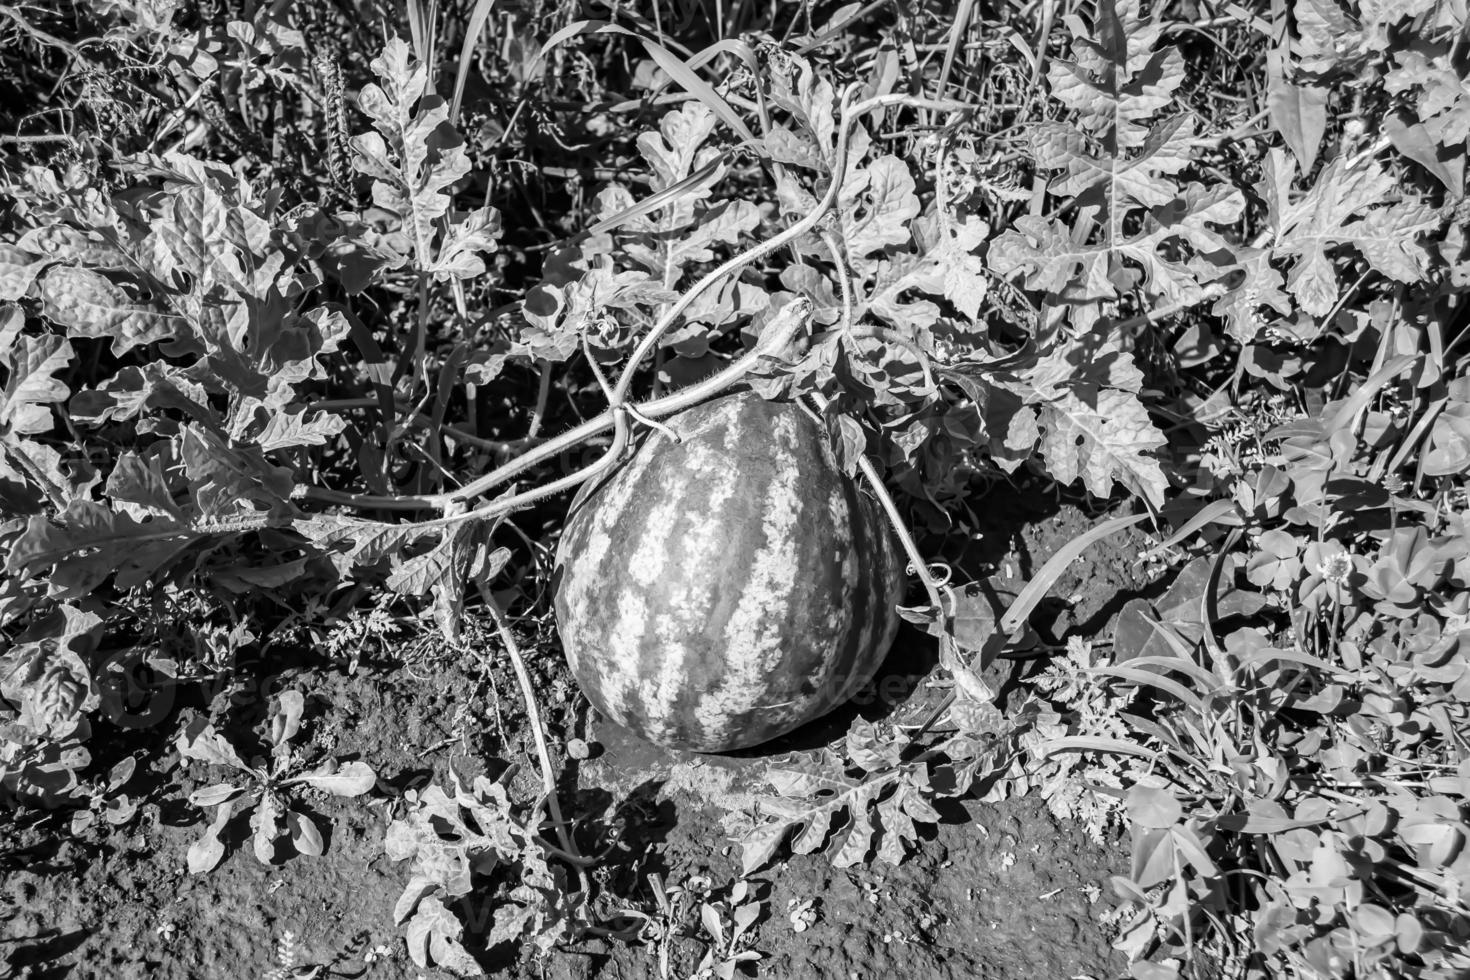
{"x": 578, "y": 749}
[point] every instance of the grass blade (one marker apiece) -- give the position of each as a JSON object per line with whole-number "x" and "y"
{"x": 705, "y": 174}
{"x": 686, "y": 78}
{"x": 1217, "y": 512}
{"x": 1015, "y": 617}
{"x": 1142, "y": 678}
{"x": 1368, "y": 390}
{"x": 678, "y": 70}
{"x": 1207, "y": 680}
{"x": 957, "y": 32}
{"x": 1089, "y": 743}
{"x": 478, "y": 17}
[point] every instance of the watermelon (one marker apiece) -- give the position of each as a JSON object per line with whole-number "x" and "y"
{"x": 716, "y": 592}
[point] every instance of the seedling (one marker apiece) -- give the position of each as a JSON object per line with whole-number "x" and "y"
{"x": 266, "y": 788}
{"x": 287, "y": 953}
{"x": 802, "y": 913}
{"x": 728, "y": 925}
{"x": 670, "y": 903}
{"x": 115, "y": 810}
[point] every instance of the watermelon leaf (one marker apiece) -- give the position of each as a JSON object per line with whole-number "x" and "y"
{"x": 1345, "y": 207}
{"x": 32, "y": 385}
{"x": 415, "y": 160}
{"x": 819, "y": 807}
{"x": 434, "y": 935}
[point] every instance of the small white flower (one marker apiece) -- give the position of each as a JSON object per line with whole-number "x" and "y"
{"x": 1335, "y": 568}
{"x": 803, "y": 914}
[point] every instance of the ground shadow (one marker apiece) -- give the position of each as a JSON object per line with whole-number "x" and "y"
{"x": 33, "y": 953}
{"x": 910, "y": 660}
{"x": 41, "y": 852}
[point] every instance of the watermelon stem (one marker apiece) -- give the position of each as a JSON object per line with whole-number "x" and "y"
{"x": 633, "y": 411}
{"x": 754, "y": 253}
{"x": 607, "y": 391}
{"x": 844, "y": 280}
{"x": 895, "y": 520}
{"x": 779, "y": 333}
{"x": 504, "y": 505}
{"x": 776, "y": 336}
{"x": 538, "y": 731}
{"x": 937, "y": 590}
{"x": 615, "y": 403}
{"x": 881, "y": 334}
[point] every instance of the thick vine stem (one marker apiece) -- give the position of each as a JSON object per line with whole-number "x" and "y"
{"x": 844, "y": 280}
{"x": 543, "y": 393}
{"x": 753, "y": 254}
{"x": 936, "y": 590}
{"x": 784, "y": 328}
{"x": 538, "y": 732}
{"x": 501, "y": 447}
{"x": 517, "y": 501}
{"x": 781, "y": 331}
{"x": 772, "y": 342}
{"x": 895, "y": 519}
{"x": 911, "y": 102}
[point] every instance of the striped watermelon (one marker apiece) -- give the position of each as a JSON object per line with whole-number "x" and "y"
{"x": 720, "y": 591}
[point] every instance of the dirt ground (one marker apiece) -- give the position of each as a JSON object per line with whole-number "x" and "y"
{"x": 1000, "y": 890}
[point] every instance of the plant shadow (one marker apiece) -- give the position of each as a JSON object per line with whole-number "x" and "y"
{"x": 35, "y": 956}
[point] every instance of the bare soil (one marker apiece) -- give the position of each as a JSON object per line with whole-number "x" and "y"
{"x": 999, "y": 890}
